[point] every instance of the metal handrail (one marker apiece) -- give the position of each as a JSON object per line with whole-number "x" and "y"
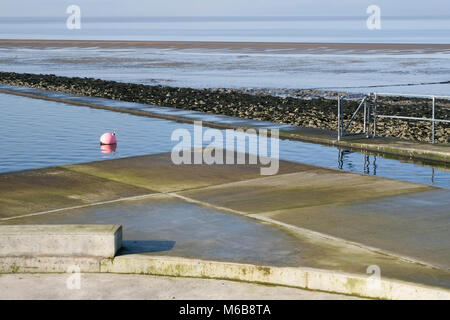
{"x": 433, "y": 120}
{"x": 367, "y": 113}
{"x": 411, "y": 95}
{"x": 412, "y": 118}
{"x": 354, "y": 115}
{"x": 341, "y": 129}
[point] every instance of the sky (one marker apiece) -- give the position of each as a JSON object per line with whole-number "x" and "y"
{"x": 117, "y": 8}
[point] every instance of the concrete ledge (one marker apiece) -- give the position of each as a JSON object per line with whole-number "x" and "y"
{"x": 60, "y": 240}
{"x": 304, "y": 278}
{"x": 49, "y": 264}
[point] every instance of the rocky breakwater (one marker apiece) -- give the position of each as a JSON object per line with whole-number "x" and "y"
{"x": 313, "y": 111}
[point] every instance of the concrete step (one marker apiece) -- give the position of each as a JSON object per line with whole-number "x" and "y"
{"x": 60, "y": 240}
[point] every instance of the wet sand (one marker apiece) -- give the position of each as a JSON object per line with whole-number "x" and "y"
{"x": 254, "y": 46}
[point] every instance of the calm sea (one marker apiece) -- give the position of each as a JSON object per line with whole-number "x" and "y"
{"x": 388, "y": 70}
{"x": 272, "y": 29}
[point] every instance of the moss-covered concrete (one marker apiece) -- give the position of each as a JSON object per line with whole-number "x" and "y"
{"x": 53, "y": 188}
{"x": 157, "y": 172}
{"x": 312, "y": 187}
{"x": 413, "y": 224}
{"x": 381, "y": 145}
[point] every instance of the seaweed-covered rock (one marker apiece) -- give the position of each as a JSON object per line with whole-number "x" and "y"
{"x": 310, "y": 108}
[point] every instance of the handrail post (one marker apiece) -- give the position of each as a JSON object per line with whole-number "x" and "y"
{"x": 339, "y": 119}
{"x": 368, "y": 121}
{"x": 432, "y": 121}
{"x": 375, "y": 116}
{"x": 365, "y": 115}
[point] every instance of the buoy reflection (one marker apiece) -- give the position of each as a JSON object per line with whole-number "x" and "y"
{"x": 108, "y": 148}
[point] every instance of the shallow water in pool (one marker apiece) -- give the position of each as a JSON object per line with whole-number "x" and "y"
{"x": 38, "y": 133}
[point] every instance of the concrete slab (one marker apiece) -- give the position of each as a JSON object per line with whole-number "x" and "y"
{"x": 47, "y": 189}
{"x": 157, "y": 172}
{"x": 52, "y": 188}
{"x": 165, "y": 226}
{"x": 404, "y": 219}
{"x": 311, "y": 187}
{"x": 415, "y": 225}
{"x": 60, "y": 240}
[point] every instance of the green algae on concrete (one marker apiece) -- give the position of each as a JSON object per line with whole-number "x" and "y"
{"x": 312, "y": 187}
{"x": 39, "y": 190}
{"x": 53, "y": 188}
{"x": 348, "y": 206}
{"x": 300, "y": 277}
{"x": 157, "y": 172}
{"x": 390, "y": 146}
{"x": 415, "y": 224}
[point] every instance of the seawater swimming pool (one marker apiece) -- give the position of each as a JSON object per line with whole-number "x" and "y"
{"x": 38, "y": 133}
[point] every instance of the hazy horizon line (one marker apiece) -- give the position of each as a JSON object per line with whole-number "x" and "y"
{"x": 237, "y": 16}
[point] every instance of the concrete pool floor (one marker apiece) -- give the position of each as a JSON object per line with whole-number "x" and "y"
{"x": 231, "y": 213}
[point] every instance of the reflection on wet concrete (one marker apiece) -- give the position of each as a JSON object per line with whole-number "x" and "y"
{"x": 345, "y": 162}
{"x": 176, "y": 228}
{"x": 415, "y": 224}
{"x": 146, "y": 246}
{"x": 163, "y": 226}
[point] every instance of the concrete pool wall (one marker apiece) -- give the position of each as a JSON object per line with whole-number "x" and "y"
{"x": 230, "y": 214}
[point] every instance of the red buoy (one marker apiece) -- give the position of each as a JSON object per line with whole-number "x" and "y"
{"x": 108, "y": 138}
